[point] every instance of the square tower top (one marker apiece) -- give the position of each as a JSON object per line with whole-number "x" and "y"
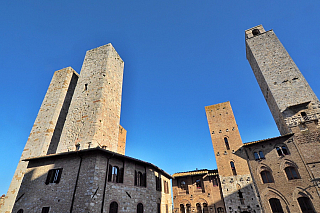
{"x": 249, "y": 33}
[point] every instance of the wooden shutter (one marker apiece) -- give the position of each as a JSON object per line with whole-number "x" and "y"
{"x": 135, "y": 177}
{"x": 110, "y": 173}
{"x": 59, "y": 175}
{"x": 120, "y": 175}
{"x": 49, "y": 177}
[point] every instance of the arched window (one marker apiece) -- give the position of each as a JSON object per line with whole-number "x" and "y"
{"x": 226, "y": 142}
{"x": 140, "y": 179}
{"x": 266, "y": 177}
{"x": 220, "y": 210}
{"x": 205, "y": 208}
{"x": 198, "y": 184}
{"x": 305, "y": 205}
{"x": 20, "y": 211}
{"x": 282, "y": 150}
{"x": 198, "y": 208}
{"x": 233, "y": 168}
{"x": 188, "y": 208}
{"x": 275, "y": 205}
{"x": 182, "y": 208}
{"x": 291, "y": 173}
{"x": 113, "y": 207}
{"x": 140, "y": 208}
{"x": 115, "y": 174}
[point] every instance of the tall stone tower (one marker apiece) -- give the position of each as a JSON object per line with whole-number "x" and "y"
{"x": 236, "y": 181}
{"x": 94, "y": 116}
{"x": 293, "y": 104}
{"x": 47, "y": 127}
{"x": 78, "y": 112}
{"x": 289, "y": 96}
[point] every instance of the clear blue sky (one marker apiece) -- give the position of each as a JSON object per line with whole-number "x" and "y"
{"x": 180, "y": 56}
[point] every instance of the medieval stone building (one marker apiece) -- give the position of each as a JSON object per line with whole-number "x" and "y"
{"x": 74, "y": 158}
{"x": 275, "y": 175}
{"x": 197, "y": 191}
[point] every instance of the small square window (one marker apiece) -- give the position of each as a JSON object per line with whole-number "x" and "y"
{"x": 45, "y": 210}
{"x": 54, "y": 176}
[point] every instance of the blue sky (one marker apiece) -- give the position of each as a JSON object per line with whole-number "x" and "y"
{"x": 180, "y": 56}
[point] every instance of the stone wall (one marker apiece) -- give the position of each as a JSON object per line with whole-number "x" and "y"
{"x": 47, "y": 126}
{"x": 84, "y": 185}
{"x": 94, "y": 115}
{"x": 287, "y": 191}
{"x": 209, "y": 194}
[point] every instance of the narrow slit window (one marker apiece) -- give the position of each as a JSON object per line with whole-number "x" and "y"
{"x": 233, "y": 168}
{"x": 226, "y": 142}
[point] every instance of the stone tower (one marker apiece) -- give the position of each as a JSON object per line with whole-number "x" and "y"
{"x": 47, "y": 127}
{"x": 94, "y": 116}
{"x": 78, "y": 112}
{"x": 236, "y": 181}
{"x": 288, "y": 94}
{"x": 293, "y": 104}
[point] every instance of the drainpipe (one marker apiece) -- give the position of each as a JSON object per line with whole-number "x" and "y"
{"x": 75, "y": 187}
{"x": 105, "y": 183}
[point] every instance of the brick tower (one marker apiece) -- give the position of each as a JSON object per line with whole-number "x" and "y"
{"x": 78, "y": 112}
{"x": 236, "y": 181}
{"x": 293, "y": 104}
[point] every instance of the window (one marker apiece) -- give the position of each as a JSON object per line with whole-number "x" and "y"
{"x": 275, "y": 205}
{"x": 159, "y": 208}
{"x": 291, "y": 173}
{"x": 282, "y": 150}
{"x": 198, "y": 208}
{"x": 220, "y": 210}
{"x": 167, "y": 208}
{"x": 198, "y": 184}
{"x": 205, "y": 208}
{"x": 258, "y": 155}
{"x": 45, "y": 210}
{"x": 140, "y": 179}
{"x": 182, "y": 208}
{"x": 166, "y": 187}
{"x": 241, "y": 197}
{"x": 233, "y": 168}
{"x": 115, "y": 174}
{"x": 188, "y": 208}
{"x": 304, "y": 116}
{"x": 20, "y": 211}
{"x": 183, "y": 185}
{"x": 54, "y": 176}
{"x": 226, "y": 143}
{"x": 140, "y": 208}
{"x": 215, "y": 181}
{"x": 158, "y": 183}
{"x": 255, "y": 32}
{"x": 305, "y": 205}
{"x": 266, "y": 177}
{"x": 113, "y": 207}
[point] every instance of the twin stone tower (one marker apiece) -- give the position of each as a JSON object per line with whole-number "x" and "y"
{"x": 78, "y": 112}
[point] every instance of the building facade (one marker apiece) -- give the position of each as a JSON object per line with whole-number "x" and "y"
{"x": 197, "y": 191}
{"x": 77, "y": 138}
{"x": 283, "y": 171}
{"x": 93, "y": 180}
